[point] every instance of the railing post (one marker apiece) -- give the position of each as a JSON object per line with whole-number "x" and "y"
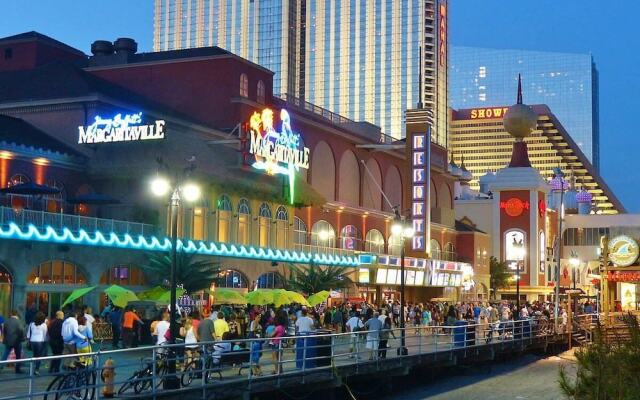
{"x": 30, "y": 378}
{"x": 96, "y": 366}
{"x": 333, "y": 344}
{"x": 153, "y": 368}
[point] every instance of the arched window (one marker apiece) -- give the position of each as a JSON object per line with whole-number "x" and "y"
{"x": 124, "y": 274}
{"x": 56, "y": 272}
{"x": 18, "y": 201}
{"x": 543, "y": 251}
{"x": 224, "y": 208}
{"x": 395, "y": 245}
{"x": 515, "y": 248}
{"x": 244, "y": 222}
{"x": 282, "y": 227}
{"x": 270, "y": 280}
{"x": 264, "y": 225}
{"x": 350, "y": 238}
{"x": 323, "y": 234}
{"x": 436, "y": 252}
{"x": 244, "y": 85}
{"x": 231, "y": 278}
{"x": 299, "y": 231}
{"x": 450, "y": 252}
{"x": 18, "y": 179}
{"x": 374, "y": 242}
{"x": 260, "y": 92}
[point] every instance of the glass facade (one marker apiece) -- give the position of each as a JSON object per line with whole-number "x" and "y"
{"x": 567, "y": 83}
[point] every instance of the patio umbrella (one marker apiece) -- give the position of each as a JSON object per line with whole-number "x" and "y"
{"x": 120, "y": 296}
{"x": 296, "y": 297}
{"x": 152, "y": 294}
{"x": 318, "y": 298}
{"x": 260, "y": 297}
{"x": 30, "y": 188}
{"x": 93, "y": 198}
{"x": 227, "y": 296}
{"x": 76, "y": 294}
{"x": 281, "y": 297}
{"x": 166, "y": 296}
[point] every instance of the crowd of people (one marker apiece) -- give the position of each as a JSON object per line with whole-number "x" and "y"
{"x": 223, "y": 326}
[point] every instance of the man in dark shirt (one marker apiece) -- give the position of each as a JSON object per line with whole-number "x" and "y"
{"x": 206, "y": 331}
{"x": 55, "y": 340}
{"x": 115, "y": 318}
{"x": 13, "y": 338}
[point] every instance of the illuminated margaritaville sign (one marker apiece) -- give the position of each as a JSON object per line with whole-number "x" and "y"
{"x": 277, "y": 151}
{"x": 127, "y": 128}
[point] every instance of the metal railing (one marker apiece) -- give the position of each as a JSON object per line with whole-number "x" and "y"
{"x": 208, "y": 367}
{"x": 336, "y": 251}
{"x": 58, "y": 221}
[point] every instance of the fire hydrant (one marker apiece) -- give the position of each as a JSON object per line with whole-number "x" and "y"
{"x": 108, "y": 376}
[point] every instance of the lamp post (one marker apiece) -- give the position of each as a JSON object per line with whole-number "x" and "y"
{"x": 160, "y": 187}
{"x": 403, "y": 229}
{"x": 560, "y": 185}
{"x": 519, "y": 253}
{"x": 574, "y": 261}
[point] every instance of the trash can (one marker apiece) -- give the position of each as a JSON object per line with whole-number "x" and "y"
{"x": 305, "y": 350}
{"x": 459, "y": 333}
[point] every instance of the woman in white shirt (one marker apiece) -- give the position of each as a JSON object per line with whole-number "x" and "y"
{"x": 37, "y": 337}
{"x": 190, "y": 339}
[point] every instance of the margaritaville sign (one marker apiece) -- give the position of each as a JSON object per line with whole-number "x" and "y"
{"x": 120, "y": 128}
{"x": 277, "y": 151}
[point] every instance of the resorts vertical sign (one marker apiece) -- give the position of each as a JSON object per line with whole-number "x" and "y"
{"x": 420, "y": 178}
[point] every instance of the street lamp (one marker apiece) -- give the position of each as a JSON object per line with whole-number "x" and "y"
{"x": 574, "y": 261}
{"x": 404, "y": 230}
{"x": 558, "y": 184}
{"x": 519, "y": 253}
{"x": 189, "y": 191}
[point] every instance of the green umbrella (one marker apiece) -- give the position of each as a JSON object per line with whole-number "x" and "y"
{"x": 260, "y": 297}
{"x": 318, "y": 298}
{"x": 226, "y": 296}
{"x": 296, "y": 297}
{"x": 76, "y": 294}
{"x": 166, "y": 296}
{"x": 120, "y": 296}
{"x": 152, "y": 294}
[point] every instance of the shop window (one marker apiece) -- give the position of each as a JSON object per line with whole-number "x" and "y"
{"x": 395, "y": 245}
{"x": 270, "y": 280}
{"x": 436, "y": 252}
{"x": 244, "y": 222}
{"x": 231, "y": 278}
{"x": 244, "y": 85}
{"x": 264, "y": 225}
{"x": 299, "y": 231}
{"x": 224, "y": 218}
{"x": 374, "y": 242}
{"x": 124, "y": 275}
{"x": 450, "y": 252}
{"x": 323, "y": 234}
{"x": 198, "y": 224}
{"x": 350, "y": 238}
{"x": 260, "y": 92}
{"x": 282, "y": 227}
{"x": 56, "y": 272}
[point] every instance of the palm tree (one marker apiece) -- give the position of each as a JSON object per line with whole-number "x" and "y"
{"x": 499, "y": 275}
{"x": 192, "y": 275}
{"x": 314, "y": 278}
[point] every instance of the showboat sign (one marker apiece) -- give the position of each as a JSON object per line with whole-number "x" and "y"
{"x": 127, "y": 128}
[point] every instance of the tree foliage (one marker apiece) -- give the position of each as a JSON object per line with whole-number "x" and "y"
{"x": 500, "y": 275}
{"x": 192, "y": 275}
{"x": 314, "y": 278}
{"x": 607, "y": 369}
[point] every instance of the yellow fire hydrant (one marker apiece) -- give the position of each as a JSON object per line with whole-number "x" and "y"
{"x": 108, "y": 376}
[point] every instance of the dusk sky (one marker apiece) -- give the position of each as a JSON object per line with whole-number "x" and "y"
{"x": 606, "y": 30}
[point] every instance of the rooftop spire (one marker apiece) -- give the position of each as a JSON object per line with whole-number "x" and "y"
{"x": 519, "y": 101}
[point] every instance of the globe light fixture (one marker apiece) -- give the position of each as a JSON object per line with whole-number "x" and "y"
{"x": 323, "y": 235}
{"x": 396, "y": 228}
{"x": 160, "y": 186}
{"x": 191, "y": 191}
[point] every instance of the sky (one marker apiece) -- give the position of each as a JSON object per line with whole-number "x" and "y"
{"x": 607, "y": 30}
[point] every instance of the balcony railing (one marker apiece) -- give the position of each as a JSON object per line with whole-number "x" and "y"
{"x": 74, "y": 223}
{"x": 324, "y": 250}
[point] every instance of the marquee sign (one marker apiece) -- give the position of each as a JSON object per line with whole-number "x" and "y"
{"x": 623, "y": 250}
{"x": 420, "y": 171}
{"x": 488, "y": 113}
{"x": 127, "y": 128}
{"x": 277, "y": 152}
{"x": 442, "y": 56}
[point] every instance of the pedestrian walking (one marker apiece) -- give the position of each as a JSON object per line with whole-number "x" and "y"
{"x": 115, "y": 319}
{"x": 37, "y": 337}
{"x": 55, "y": 340}
{"x": 385, "y": 333}
{"x": 13, "y": 336}
{"x": 128, "y": 327}
{"x": 71, "y": 335}
{"x": 373, "y": 327}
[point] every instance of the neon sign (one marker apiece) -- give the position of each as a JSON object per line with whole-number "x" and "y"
{"x": 514, "y": 207}
{"x": 419, "y": 182}
{"x": 443, "y": 34}
{"x": 487, "y": 113}
{"x": 127, "y": 128}
{"x": 277, "y": 152}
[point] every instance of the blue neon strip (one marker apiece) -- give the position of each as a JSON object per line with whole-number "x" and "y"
{"x": 152, "y": 243}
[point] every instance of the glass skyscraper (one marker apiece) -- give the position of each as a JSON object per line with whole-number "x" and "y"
{"x": 357, "y": 58}
{"x": 567, "y": 83}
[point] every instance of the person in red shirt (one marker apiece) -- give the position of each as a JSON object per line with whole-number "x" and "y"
{"x": 128, "y": 331}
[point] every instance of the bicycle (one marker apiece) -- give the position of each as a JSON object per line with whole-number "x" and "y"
{"x": 142, "y": 380}
{"x": 77, "y": 384}
{"x": 196, "y": 370}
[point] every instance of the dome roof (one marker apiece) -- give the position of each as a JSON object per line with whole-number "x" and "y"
{"x": 466, "y": 174}
{"x": 558, "y": 183}
{"x": 454, "y": 169}
{"x": 520, "y": 120}
{"x": 584, "y": 197}
{"x": 487, "y": 178}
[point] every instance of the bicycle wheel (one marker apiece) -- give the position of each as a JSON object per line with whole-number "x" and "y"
{"x": 190, "y": 373}
{"x": 129, "y": 383}
{"x": 143, "y": 382}
{"x": 73, "y": 387}
{"x": 52, "y": 386}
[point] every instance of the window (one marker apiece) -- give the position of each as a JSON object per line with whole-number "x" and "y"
{"x": 244, "y": 222}
{"x": 436, "y": 254}
{"x": 8, "y": 54}
{"x": 231, "y": 278}
{"x": 198, "y": 223}
{"x": 515, "y": 248}
{"x": 54, "y": 201}
{"x": 543, "y": 248}
{"x": 56, "y": 272}
{"x": 264, "y": 225}
{"x": 261, "y": 92}
{"x": 18, "y": 179}
{"x": 299, "y": 231}
{"x": 374, "y": 242}
{"x": 450, "y": 252}
{"x": 282, "y": 227}
{"x": 270, "y": 280}
{"x": 123, "y": 275}
{"x": 244, "y": 85}
{"x": 323, "y": 234}
{"x": 395, "y": 245}
{"x": 350, "y": 238}
{"x": 224, "y": 218}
